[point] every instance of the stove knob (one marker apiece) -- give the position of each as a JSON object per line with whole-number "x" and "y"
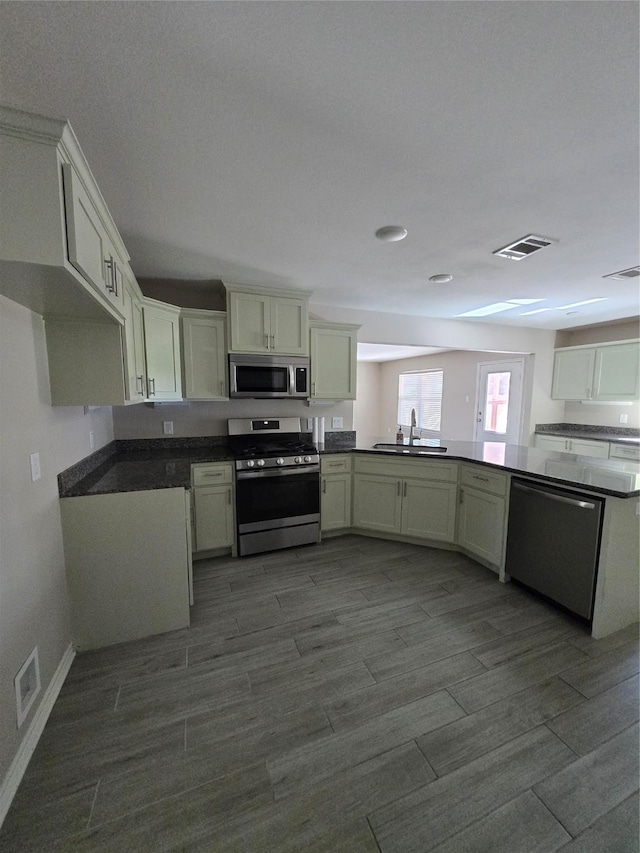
{"x": 250, "y": 463}
{"x": 260, "y": 463}
{"x": 307, "y": 459}
{"x": 279, "y": 461}
{"x": 298, "y": 459}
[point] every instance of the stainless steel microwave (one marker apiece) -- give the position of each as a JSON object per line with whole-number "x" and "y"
{"x": 268, "y": 376}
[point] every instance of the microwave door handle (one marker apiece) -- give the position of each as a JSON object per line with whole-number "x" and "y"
{"x": 292, "y": 380}
{"x": 233, "y": 379}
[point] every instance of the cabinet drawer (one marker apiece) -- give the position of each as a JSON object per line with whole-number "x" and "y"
{"x": 416, "y": 469}
{"x": 623, "y": 451}
{"x": 208, "y": 475}
{"x": 339, "y": 464}
{"x": 483, "y": 478}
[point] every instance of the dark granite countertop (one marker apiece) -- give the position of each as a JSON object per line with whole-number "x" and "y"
{"x": 615, "y": 477}
{"x": 614, "y": 435}
{"x": 125, "y": 466}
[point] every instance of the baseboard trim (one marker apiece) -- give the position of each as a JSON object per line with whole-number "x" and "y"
{"x": 21, "y": 761}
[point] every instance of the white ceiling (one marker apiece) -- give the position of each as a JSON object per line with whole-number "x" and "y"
{"x": 388, "y": 352}
{"x": 265, "y": 142}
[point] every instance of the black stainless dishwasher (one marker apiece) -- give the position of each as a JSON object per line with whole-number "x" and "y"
{"x": 553, "y": 542}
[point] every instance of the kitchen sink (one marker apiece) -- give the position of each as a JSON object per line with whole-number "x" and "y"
{"x": 411, "y": 449}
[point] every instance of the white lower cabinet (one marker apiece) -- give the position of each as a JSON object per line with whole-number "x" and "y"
{"x": 213, "y": 516}
{"x": 482, "y": 522}
{"x": 414, "y": 498}
{"x": 580, "y": 446}
{"x": 128, "y": 565}
{"x": 335, "y": 492}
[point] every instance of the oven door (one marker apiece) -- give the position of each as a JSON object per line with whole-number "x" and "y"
{"x": 276, "y": 498}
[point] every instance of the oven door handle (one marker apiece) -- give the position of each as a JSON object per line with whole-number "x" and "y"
{"x": 277, "y": 472}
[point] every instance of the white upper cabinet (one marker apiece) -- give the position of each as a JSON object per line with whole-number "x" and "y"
{"x": 607, "y": 372}
{"x": 333, "y": 361}
{"x": 204, "y": 353}
{"x": 617, "y": 372}
{"x": 135, "y": 370}
{"x": 60, "y": 252}
{"x": 267, "y": 321}
{"x": 162, "y": 350}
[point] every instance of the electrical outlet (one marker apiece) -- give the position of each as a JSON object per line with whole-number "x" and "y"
{"x": 34, "y": 459}
{"x": 92, "y": 440}
{"x": 336, "y": 423}
{"x": 624, "y": 418}
{"x": 309, "y": 423}
{"x": 167, "y": 427}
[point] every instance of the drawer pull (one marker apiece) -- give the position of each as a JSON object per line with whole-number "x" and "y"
{"x": 335, "y": 464}
{"x": 212, "y": 474}
{"x": 478, "y": 477}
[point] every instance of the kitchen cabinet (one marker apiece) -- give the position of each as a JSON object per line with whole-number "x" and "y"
{"x": 213, "y": 516}
{"x": 335, "y": 492}
{"x": 162, "y": 350}
{"x": 90, "y": 249}
{"x": 624, "y": 451}
{"x": 333, "y": 350}
{"x": 128, "y": 561}
{"x": 406, "y": 497}
{"x": 134, "y": 341}
{"x": 204, "y": 353}
{"x": 581, "y": 446}
{"x": 482, "y": 514}
{"x": 273, "y": 322}
{"x": 60, "y": 252}
{"x": 608, "y": 372}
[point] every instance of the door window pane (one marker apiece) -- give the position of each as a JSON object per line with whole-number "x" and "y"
{"x": 496, "y": 406}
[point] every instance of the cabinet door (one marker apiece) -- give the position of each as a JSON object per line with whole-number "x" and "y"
{"x": 377, "y": 503}
{"x": 134, "y": 347}
{"x": 481, "y": 525}
{"x": 617, "y": 373}
{"x": 573, "y": 374}
{"x": 205, "y": 358}
{"x": 597, "y": 449}
{"x": 162, "y": 348}
{"x": 335, "y": 502}
{"x": 88, "y": 245}
{"x": 333, "y": 364}
{"x": 249, "y": 322}
{"x": 429, "y": 510}
{"x": 289, "y": 331}
{"x": 551, "y": 442}
{"x": 213, "y": 517}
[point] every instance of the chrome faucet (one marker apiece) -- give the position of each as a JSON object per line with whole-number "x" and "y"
{"x": 413, "y": 437}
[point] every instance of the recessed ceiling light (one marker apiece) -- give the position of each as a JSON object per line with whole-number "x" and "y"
{"x": 441, "y": 278}
{"x": 391, "y": 233}
{"x": 584, "y": 302}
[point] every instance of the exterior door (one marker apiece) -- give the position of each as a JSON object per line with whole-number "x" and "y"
{"x": 499, "y": 401}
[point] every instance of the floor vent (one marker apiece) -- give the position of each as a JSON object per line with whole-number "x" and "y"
{"x": 632, "y": 272}
{"x": 27, "y": 684}
{"x": 524, "y": 247}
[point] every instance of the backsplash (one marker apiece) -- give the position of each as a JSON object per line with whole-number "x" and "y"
{"x": 595, "y": 429}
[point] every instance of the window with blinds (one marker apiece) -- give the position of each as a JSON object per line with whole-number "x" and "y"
{"x": 423, "y": 392}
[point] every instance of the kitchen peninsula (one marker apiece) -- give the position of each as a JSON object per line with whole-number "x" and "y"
{"x": 464, "y": 482}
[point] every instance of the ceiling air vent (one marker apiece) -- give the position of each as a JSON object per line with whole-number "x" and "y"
{"x": 632, "y": 272}
{"x": 524, "y": 247}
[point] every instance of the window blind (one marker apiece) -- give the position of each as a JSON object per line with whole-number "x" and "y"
{"x": 421, "y": 391}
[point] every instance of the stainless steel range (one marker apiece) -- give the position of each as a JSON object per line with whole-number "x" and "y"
{"x": 277, "y": 484}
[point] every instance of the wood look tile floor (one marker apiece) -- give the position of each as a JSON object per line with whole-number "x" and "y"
{"x": 352, "y": 697}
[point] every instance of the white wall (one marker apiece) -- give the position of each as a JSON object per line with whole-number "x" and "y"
{"x": 367, "y": 408}
{"x": 33, "y": 597}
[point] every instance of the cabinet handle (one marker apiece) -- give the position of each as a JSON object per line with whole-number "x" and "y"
{"x": 324, "y": 487}
{"x": 478, "y": 477}
{"x": 461, "y": 498}
{"x": 140, "y": 380}
{"x": 266, "y": 341}
{"x": 152, "y": 393}
{"x": 335, "y": 464}
{"x": 273, "y": 341}
{"x": 399, "y": 485}
{"x": 404, "y": 491}
{"x": 313, "y": 388}
{"x": 112, "y": 285}
{"x": 222, "y": 387}
{"x": 229, "y": 497}
{"x": 211, "y": 474}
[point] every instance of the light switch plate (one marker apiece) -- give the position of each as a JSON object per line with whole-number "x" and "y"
{"x": 34, "y": 459}
{"x": 336, "y": 423}
{"x": 167, "y": 427}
